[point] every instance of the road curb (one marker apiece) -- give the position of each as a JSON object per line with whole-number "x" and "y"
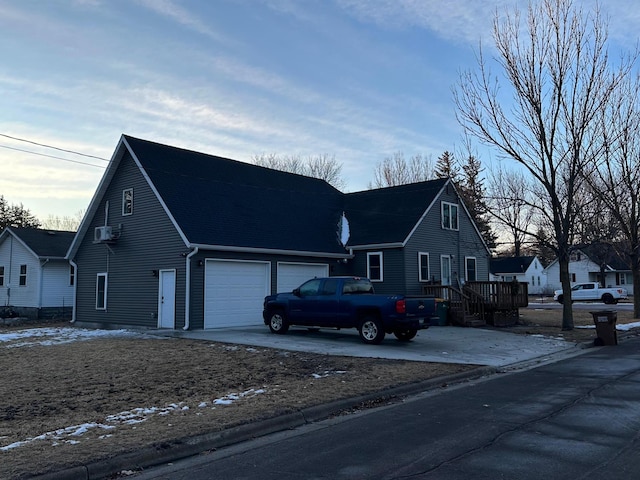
{"x": 178, "y": 449}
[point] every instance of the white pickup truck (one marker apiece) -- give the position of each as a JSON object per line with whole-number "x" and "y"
{"x": 591, "y": 292}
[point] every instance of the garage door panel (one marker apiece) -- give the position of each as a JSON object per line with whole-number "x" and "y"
{"x": 234, "y": 292}
{"x": 292, "y": 275}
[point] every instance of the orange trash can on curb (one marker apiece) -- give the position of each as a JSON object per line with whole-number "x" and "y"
{"x": 606, "y": 333}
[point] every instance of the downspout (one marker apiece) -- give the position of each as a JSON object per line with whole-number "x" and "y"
{"x": 75, "y": 289}
{"x": 187, "y": 293}
{"x": 41, "y": 281}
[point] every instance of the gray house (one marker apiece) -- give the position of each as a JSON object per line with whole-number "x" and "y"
{"x": 180, "y": 239}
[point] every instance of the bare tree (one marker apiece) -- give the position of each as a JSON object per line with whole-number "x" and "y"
{"x": 396, "y": 170}
{"x": 512, "y": 206}
{"x": 66, "y": 223}
{"x": 558, "y": 73}
{"x": 615, "y": 181}
{"x": 322, "y": 166}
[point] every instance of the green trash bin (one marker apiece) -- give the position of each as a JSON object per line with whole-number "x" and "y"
{"x": 442, "y": 312}
{"x": 605, "y": 321}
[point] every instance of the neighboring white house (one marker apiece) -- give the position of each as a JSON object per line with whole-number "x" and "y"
{"x": 524, "y": 269}
{"x": 582, "y": 268}
{"x": 35, "y": 278}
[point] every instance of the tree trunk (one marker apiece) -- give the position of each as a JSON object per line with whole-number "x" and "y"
{"x": 565, "y": 280}
{"x": 635, "y": 275}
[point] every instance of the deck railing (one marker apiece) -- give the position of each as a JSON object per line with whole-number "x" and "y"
{"x": 481, "y": 298}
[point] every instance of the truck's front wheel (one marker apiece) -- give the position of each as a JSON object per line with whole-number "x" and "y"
{"x": 278, "y": 322}
{"x": 405, "y": 334}
{"x": 371, "y": 330}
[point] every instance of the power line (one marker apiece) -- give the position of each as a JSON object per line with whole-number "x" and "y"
{"x": 51, "y": 146}
{"x": 53, "y": 156}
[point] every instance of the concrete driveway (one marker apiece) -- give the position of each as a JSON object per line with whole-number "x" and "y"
{"x": 448, "y": 344}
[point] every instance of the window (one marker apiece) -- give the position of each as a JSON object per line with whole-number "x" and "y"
{"x": 101, "y": 291}
{"x": 23, "y": 276}
{"x": 127, "y": 202}
{"x": 1, "y": 276}
{"x": 330, "y": 286}
{"x": 449, "y": 216}
{"x": 423, "y": 267}
{"x": 374, "y": 266}
{"x": 471, "y": 274}
{"x": 309, "y": 288}
{"x": 573, "y": 277}
{"x": 72, "y": 275}
{"x": 621, "y": 278}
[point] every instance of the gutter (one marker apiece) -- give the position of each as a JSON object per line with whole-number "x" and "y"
{"x": 75, "y": 290}
{"x": 187, "y": 292}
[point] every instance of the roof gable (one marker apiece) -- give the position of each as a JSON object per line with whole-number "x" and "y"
{"x": 389, "y": 215}
{"x": 42, "y": 243}
{"x": 511, "y": 264}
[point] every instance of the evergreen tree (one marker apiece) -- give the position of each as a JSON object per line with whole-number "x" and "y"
{"x": 16, "y": 216}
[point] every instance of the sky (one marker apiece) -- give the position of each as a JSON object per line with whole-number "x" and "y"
{"x": 355, "y": 79}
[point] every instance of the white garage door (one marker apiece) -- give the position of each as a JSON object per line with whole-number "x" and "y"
{"x": 234, "y": 292}
{"x": 292, "y": 275}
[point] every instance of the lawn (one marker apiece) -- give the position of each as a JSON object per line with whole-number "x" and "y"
{"x": 69, "y": 396}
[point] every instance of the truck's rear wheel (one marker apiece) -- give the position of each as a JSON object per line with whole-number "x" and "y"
{"x": 560, "y": 299}
{"x": 405, "y": 334}
{"x": 278, "y": 322}
{"x": 608, "y": 299}
{"x": 371, "y": 330}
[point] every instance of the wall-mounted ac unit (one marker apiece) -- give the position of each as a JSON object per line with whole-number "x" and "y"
{"x": 103, "y": 234}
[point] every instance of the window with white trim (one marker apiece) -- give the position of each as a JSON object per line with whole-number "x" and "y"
{"x": 72, "y": 275}
{"x": 424, "y": 273}
{"x": 22, "y": 281}
{"x": 1, "y": 276}
{"x": 471, "y": 269}
{"x": 101, "y": 291}
{"x": 449, "y": 216}
{"x": 374, "y": 266}
{"x": 127, "y": 202}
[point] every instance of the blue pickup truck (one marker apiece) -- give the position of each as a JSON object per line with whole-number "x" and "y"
{"x": 348, "y": 302}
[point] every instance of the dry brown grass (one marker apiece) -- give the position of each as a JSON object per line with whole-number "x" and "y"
{"x": 46, "y": 388}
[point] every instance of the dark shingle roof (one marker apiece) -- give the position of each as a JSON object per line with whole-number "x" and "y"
{"x": 511, "y": 264}
{"x": 388, "y": 215}
{"x": 45, "y": 243}
{"x": 218, "y": 201}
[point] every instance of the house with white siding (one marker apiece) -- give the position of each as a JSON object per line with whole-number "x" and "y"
{"x": 180, "y": 239}
{"x": 36, "y": 280}
{"x": 525, "y": 269}
{"x": 585, "y": 267}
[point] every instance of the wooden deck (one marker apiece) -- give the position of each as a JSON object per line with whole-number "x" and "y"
{"x": 479, "y": 303}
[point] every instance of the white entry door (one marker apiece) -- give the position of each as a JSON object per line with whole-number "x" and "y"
{"x": 167, "y": 299}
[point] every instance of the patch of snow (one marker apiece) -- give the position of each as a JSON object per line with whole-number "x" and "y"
{"x": 233, "y": 397}
{"x": 60, "y": 335}
{"x": 326, "y": 373}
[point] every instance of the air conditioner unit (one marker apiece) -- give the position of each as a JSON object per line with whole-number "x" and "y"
{"x": 103, "y": 234}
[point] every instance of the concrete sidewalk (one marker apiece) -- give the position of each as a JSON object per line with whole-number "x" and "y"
{"x": 475, "y": 346}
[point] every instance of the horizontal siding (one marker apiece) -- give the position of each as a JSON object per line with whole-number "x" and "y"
{"x": 429, "y": 237}
{"x": 148, "y": 243}
{"x": 57, "y": 290}
{"x": 12, "y": 255}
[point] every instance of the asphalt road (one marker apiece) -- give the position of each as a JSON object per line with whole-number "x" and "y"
{"x": 578, "y": 418}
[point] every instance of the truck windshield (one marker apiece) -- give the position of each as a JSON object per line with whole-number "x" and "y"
{"x": 359, "y": 285}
